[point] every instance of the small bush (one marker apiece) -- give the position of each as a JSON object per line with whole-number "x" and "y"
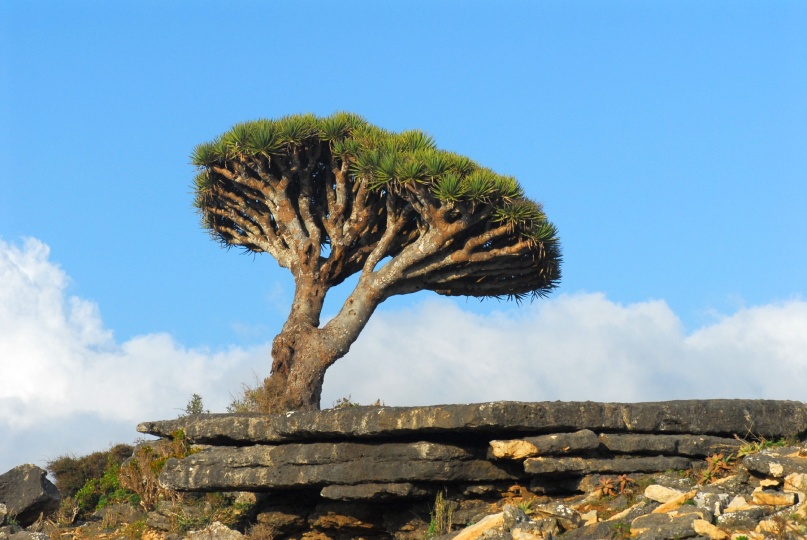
{"x": 140, "y": 473}
{"x": 195, "y": 406}
{"x": 72, "y": 473}
{"x": 261, "y": 531}
{"x": 442, "y": 516}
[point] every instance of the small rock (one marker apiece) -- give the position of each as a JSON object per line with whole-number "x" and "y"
{"x": 737, "y": 503}
{"x": 704, "y": 528}
{"x": 743, "y": 519}
{"x": 541, "y": 529}
{"x": 567, "y": 517}
{"x": 589, "y": 517}
{"x": 477, "y": 529}
{"x": 672, "y": 504}
{"x": 714, "y": 502}
{"x": 283, "y": 519}
{"x": 629, "y": 514}
{"x": 3, "y": 514}
{"x": 512, "y": 449}
{"x": 779, "y": 529}
{"x": 663, "y": 526}
{"x": 513, "y": 516}
{"x": 603, "y": 529}
{"x": 28, "y": 535}
{"x": 341, "y": 515}
{"x": 215, "y": 531}
{"x": 769, "y": 498}
{"x": 661, "y": 494}
{"x": 794, "y": 483}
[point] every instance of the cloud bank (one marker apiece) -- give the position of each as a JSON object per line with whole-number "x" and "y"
{"x": 575, "y": 347}
{"x": 69, "y": 387}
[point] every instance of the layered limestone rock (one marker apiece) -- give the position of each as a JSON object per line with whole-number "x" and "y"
{"x": 725, "y": 417}
{"x": 374, "y": 472}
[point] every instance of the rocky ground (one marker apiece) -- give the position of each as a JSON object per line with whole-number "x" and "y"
{"x": 489, "y": 471}
{"x": 760, "y": 496}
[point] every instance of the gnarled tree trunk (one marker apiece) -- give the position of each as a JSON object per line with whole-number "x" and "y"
{"x": 303, "y": 351}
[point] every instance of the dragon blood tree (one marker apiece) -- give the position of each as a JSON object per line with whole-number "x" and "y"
{"x": 332, "y": 197}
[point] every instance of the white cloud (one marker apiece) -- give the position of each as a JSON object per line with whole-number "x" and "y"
{"x": 69, "y": 387}
{"x": 63, "y": 374}
{"x": 573, "y": 347}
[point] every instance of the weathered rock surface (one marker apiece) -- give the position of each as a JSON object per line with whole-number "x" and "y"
{"x": 776, "y": 462}
{"x": 27, "y": 494}
{"x": 725, "y": 417}
{"x": 619, "y": 465}
{"x": 215, "y": 531}
{"x": 259, "y": 468}
{"x": 576, "y": 468}
{"x": 545, "y": 445}
{"x": 374, "y": 492}
{"x": 680, "y": 445}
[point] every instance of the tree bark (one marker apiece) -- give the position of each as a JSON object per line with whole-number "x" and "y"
{"x": 302, "y": 351}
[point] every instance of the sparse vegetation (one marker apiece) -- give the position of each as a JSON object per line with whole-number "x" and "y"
{"x": 195, "y": 406}
{"x": 72, "y": 473}
{"x": 140, "y": 473}
{"x": 251, "y": 398}
{"x": 346, "y": 403}
{"x": 99, "y": 484}
{"x": 442, "y": 516}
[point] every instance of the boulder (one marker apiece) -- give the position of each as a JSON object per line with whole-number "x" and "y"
{"x": 261, "y": 467}
{"x": 726, "y": 417}
{"x": 27, "y": 494}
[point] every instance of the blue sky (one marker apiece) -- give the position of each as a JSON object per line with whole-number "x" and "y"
{"x": 666, "y": 141}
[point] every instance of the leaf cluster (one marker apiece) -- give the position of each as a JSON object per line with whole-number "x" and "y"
{"x": 387, "y": 161}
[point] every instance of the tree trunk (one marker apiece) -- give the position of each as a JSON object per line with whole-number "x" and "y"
{"x": 302, "y": 352}
{"x": 300, "y": 359}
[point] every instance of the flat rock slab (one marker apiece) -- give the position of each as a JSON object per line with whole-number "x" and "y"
{"x": 725, "y": 417}
{"x": 619, "y": 465}
{"x": 777, "y": 463}
{"x": 260, "y": 467}
{"x": 671, "y": 445}
{"x": 374, "y": 492}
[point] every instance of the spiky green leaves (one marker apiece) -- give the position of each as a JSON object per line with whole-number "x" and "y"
{"x": 299, "y": 162}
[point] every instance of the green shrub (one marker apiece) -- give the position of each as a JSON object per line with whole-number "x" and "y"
{"x": 72, "y": 473}
{"x": 140, "y": 473}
